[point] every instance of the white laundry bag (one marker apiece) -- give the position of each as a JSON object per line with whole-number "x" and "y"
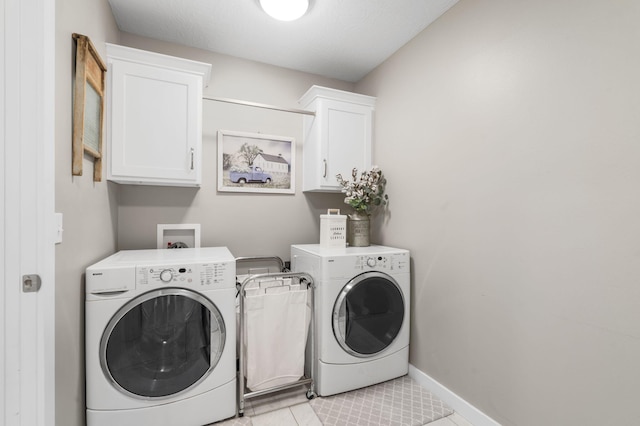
{"x": 276, "y": 327}
{"x": 253, "y": 288}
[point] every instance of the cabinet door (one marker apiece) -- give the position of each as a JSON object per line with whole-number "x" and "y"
{"x": 155, "y": 125}
{"x": 347, "y": 143}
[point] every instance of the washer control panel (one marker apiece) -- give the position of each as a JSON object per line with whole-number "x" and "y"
{"x": 211, "y": 275}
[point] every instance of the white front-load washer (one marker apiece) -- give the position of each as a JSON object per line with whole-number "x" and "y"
{"x": 160, "y": 338}
{"x": 362, "y": 314}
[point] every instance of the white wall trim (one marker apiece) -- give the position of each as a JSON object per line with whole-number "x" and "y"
{"x": 46, "y": 46}
{"x": 27, "y": 160}
{"x": 462, "y": 407}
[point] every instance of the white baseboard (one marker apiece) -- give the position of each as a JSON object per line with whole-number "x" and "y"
{"x": 462, "y": 407}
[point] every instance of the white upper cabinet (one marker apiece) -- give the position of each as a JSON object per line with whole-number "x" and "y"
{"x": 154, "y": 117}
{"x": 337, "y": 139}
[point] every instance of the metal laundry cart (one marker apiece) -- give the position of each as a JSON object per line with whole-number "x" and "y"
{"x": 301, "y": 278}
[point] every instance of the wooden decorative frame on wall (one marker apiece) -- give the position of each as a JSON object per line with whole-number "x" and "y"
{"x": 88, "y": 106}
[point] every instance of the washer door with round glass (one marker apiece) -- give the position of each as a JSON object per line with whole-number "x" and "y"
{"x": 368, "y": 314}
{"x": 162, "y": 343}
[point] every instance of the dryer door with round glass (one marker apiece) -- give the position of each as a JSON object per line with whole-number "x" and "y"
{"x": 368, "y": 314}
{"x": 162, "y": 343}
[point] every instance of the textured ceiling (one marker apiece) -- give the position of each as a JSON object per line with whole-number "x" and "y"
{"x": 343, "y": 39}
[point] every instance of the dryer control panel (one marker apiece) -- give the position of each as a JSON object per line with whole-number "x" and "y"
{"x": 340, "y": 264}
{"x": 345, "y": 267}
{"x": 383, "y": 262}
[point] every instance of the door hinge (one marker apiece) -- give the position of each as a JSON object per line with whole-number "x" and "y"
{"x": 31, "y": 283}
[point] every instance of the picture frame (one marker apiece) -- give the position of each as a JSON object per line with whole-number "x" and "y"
{"x": 253, "y": 162}
{"x": 88, "y": 106}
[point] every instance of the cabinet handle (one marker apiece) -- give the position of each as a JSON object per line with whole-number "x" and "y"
{"x": 324, "y": 175}
{"x": 191, "y": 158}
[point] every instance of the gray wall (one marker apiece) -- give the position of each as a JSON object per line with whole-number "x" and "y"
{"x": 89, "y": 209}
{"x": 249, "y": 224}
{"x": 508, "y": 131}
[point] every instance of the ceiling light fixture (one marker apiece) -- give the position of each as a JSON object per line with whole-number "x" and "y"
{"x": 285, "y": 10}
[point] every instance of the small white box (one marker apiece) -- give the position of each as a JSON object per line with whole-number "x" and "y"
{"x": 333, "y": 229}
{"x": 178, "y": 235}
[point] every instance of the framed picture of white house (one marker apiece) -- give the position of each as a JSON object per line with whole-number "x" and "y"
{"x": 253, "y": 162}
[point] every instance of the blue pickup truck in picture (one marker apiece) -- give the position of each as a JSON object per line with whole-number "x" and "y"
{"x": 250, "y": 174}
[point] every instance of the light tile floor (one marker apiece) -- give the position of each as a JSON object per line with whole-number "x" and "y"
{"x": 291, "y": 408}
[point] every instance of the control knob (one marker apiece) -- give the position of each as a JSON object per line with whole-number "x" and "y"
{"x": 371, "y": 262}
{"x": 166, "y": 275}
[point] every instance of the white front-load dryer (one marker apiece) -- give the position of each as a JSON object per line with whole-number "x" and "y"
{"x": 160, "y": 338}
{"x": 362, "y": 314}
